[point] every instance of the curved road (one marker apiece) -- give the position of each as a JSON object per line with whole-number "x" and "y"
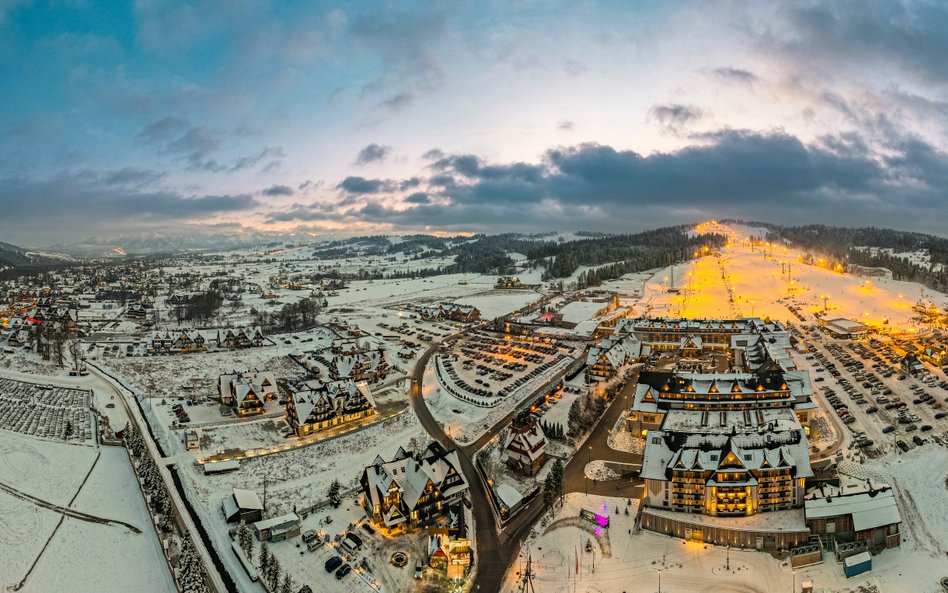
{"x": 495, "y": 550}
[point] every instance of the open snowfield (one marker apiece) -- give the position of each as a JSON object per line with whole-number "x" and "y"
{"x": 86, "y": 557}
{"x": 759, "y": 288}
{"x": 45, "y": 469}
{"x": 81, "y": 556}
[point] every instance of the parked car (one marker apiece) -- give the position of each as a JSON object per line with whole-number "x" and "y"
{"x": 334, "y": 563}
{"x": 343, "y": 571}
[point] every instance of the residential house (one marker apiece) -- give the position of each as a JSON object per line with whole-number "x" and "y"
{"x": 247, "y": 391}
{"x": 525, "y": 447}
{"x": 413, "y": 489}
{"x": 318, "y": 406}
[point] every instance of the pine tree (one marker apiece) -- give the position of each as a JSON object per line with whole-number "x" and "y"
{"x": 287, "y": 586}
{"x": 549, "y": 491}
{"x": 264, "y": 558}
{"x": 333, "y": 493}
{"x": 556, "y": 472}
{"x": 273, "y": 573}
{"x": 245, "y": 539}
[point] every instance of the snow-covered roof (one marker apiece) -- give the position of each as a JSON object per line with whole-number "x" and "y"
{"x": 247, "y": 499}
{"x": 869, "y": 510}
{"x": 288, "y": 519}
{"x": 508, "y": 495}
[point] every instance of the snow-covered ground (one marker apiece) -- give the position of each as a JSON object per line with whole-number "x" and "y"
{"x": 81, "y": 556}
{"x": 621, "y": 439}
{"x": 624, "y": 559}
{"x": 299, "y": 479}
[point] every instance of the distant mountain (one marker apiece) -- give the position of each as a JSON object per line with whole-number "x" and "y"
{"x": 152, "y": 243}
{"x": 12, "y": 256}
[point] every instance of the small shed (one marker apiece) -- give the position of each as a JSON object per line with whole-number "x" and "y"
{"x": 510, "y": 500}
{"x": 857, "y": 564}
{"x": 242, "y": 505}
{"x": 279, "y": 528}
{"x": 220, "y": 467}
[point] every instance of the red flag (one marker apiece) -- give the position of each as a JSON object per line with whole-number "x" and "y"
{"x": 576, "y": 553}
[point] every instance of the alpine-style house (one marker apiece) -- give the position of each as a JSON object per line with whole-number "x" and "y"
{"x": 412, "y": 490}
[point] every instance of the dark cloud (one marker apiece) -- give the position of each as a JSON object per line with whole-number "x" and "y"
{"x": 675, "y": 116}
{"x": 736, "y": 173}
{"x": 566, "y": 126}
{"x": 731, "y": 74}
{"x": 419, "y": 197}
{"x": 278, "y": 190}
{"x": 433, "y": 155}
{"x": 74, "y": 204}
{"x": 361, "y": 185}
{"x": 372, "y": 153}
{"x": 409, "y": 183}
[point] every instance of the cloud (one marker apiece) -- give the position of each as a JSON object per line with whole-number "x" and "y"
{"x": 164, "y": 129}
{"x": 132, "y": 176}
{"x": 418, "y": 198}
{"x": 361, "y": 185}
{"x": 765, "y": 175}
{"x": 674, "y": 117}
{"x": 433, "y": 155}
{"x": 73, "y": 204}
{"x": 372, "y": 153}
{"x": 276, "y": 153}
{"x": 397, "y": 102}
{"x": 906, "y": 35}
{"x": 731, "y": 74}
{"x": 278, "y": 190}
{"x": 566, "y": 126}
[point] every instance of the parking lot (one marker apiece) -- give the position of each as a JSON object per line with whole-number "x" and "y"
{"x": 489, "y": 366}
{"x": 45, "y": 411}
{"x": 883, "y": 407}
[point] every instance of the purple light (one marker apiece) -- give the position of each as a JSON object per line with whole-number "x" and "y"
{"x": 598, "y": 530}
{"x": 602, "y": 520}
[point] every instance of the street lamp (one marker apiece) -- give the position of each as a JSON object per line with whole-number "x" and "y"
{"x": 588, "y": 461}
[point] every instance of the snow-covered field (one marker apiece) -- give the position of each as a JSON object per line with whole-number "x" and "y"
{"x": 99, "y": 558}
{"x": 81, "y": 556}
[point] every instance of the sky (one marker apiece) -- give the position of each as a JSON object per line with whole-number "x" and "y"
{"x": 391, "y": 117}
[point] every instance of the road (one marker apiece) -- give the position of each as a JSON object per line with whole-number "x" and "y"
{"x": 495, "y": 550}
